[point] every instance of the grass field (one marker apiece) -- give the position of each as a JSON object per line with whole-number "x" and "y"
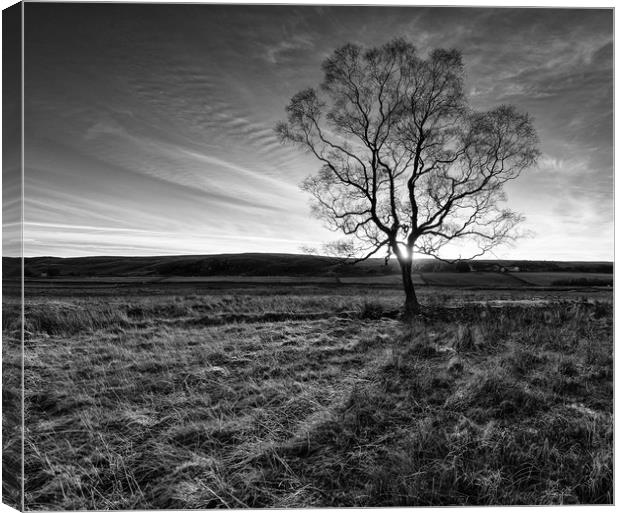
{"x": 512, "y": 281}
{"x": 481, "y": 279}
{"x": 290, "y": 397}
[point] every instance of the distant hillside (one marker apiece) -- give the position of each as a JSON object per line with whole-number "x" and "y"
{"x": 244, "y": 264}
{"x": 262, "y": 264}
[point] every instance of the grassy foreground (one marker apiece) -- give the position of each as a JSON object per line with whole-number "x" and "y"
{"x": 291, "y": 401}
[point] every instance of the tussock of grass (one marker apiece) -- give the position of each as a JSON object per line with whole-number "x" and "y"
{"x": 68, "y": 319}
{"x": 464, "y": 406}
{"x": 496, "y": 394}
{"x": 371, "y": 310}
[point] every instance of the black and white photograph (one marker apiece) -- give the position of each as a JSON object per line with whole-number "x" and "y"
{"x": 306, "y": 256}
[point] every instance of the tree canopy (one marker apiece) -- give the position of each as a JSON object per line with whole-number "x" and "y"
{"x": 406, "y": 164}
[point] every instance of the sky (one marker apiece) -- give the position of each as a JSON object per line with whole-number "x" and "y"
{"x": 149, "y": 129}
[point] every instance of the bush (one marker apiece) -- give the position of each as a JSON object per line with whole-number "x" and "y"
{"x": 462, "y": 267}
{"x": 584, "y": 282}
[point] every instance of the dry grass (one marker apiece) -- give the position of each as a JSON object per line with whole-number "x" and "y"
{"x": 300, "y": 401}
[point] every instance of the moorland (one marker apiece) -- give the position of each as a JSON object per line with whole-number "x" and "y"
{"x": 216, "y": 382}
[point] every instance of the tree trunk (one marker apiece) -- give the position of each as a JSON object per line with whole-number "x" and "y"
{"x": 412, "y": 306}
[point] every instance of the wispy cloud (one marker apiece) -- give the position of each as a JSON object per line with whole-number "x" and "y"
{"x": 287, "y": 50}
{"x": 89, "y": 228}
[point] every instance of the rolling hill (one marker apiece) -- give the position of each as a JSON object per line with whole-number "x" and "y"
{"x": 261, "y": 264}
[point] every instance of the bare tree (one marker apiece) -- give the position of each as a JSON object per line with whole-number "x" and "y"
{"x": 406, "y": 164}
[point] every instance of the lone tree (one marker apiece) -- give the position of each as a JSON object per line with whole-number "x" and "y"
{"x": 406, "y": 164}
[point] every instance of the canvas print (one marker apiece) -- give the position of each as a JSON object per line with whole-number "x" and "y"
{"x": 306, "y": 256}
